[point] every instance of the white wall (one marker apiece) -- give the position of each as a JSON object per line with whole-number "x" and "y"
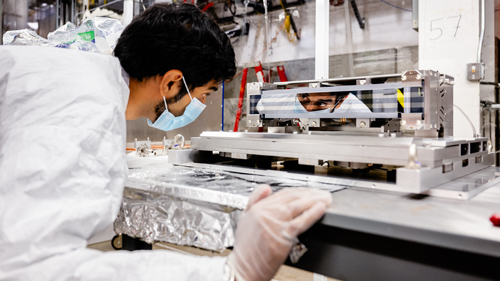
{"x": 386, "y": 27}
{"x": 447, "y": 46}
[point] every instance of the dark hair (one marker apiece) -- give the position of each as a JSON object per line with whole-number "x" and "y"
{"x": 176, "y": 36}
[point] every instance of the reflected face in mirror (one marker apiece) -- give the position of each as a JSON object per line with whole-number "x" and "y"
{"x": 317, "y": 101}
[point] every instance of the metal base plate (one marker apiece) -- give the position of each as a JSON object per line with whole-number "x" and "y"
{"x": 463, "y": 188}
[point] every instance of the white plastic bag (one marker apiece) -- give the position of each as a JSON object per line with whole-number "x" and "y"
{"x": 98, "y": 35}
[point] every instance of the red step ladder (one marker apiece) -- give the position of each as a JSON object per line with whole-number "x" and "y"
{"x": 260, "y": 78}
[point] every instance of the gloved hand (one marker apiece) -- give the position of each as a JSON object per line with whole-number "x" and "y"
{"x": 268, "y": 227}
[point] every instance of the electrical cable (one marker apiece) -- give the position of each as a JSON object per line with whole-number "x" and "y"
{"x": 488, "y": 124}
{"x": 470, "y": 122}
{"x": 277, "y": 33}
{"x": 237, "y": 74}
{"x": 394, "y": 6}
{"x": 229, "y": 8}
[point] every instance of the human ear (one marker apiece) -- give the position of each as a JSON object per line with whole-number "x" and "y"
{"x": 169, "y": 86}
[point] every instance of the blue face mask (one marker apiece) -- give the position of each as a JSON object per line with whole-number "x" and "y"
{"x": 167, "y": 121}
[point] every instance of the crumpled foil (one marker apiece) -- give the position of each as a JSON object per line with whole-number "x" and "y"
{"x": 187, "y": 206}
{"x": 183, "y": 206}
{"x": 154, "y": 217}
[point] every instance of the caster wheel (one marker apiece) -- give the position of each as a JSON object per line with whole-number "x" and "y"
{"x": 116, "y": 242}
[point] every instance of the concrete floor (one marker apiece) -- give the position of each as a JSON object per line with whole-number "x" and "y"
{"x": 285, "y": 273}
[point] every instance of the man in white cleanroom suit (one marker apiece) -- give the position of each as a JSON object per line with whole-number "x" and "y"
{"x": 62, "y": 154}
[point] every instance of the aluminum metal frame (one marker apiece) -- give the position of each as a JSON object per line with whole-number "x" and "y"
{"x": 423, "y": 162}
{"x": 437, "y": 93}
{"x": 439, "y": 160}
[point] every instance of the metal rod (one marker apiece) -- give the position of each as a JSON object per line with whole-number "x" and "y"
{"x": 265, "y": 43}
{"x": 128, "y": 12}
{"x": 63, "y": 13}
{"x": 57, "y": 14}
{"x": 491, "y": 131}
{"x": 222, "y": 105}
{"x": 396, "y": 75}
{"x": 348, "y": 38}
{"x": 322, "y": 39}
{"x": 481, "y": 35}
{"x": 1, "y": 22}
{"x": 72, "y": 15}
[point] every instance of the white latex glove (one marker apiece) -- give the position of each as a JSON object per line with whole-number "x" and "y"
{"x": 268, "y": 227}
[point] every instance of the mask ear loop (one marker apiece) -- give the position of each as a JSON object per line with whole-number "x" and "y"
{"x": 165, "y": 101}
{"x": 189, "y": 93}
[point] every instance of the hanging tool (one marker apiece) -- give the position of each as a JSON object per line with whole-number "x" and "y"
{"x": 361, "y": 21}
{"x": 288, "y": 17}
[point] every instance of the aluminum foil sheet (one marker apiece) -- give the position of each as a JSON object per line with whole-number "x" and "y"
{"x": 195, "y": 184}
{"x": 187, "y": 206}
{"x": 154, "y": 217}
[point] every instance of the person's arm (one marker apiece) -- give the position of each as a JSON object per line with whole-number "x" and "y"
{"x": 269, "y": 226}
{"x": 62, "y": 171}
{"x": 151, "y": 265}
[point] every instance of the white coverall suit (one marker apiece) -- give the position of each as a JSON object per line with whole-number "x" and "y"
{"x": 62, "y": 171}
